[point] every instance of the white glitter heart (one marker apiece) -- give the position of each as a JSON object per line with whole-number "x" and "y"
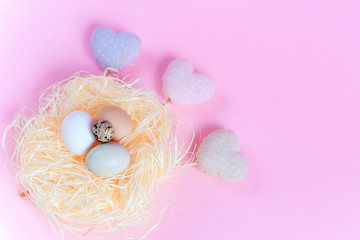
{"x": 182, "y": 86}
{"x": 218, "y": 155}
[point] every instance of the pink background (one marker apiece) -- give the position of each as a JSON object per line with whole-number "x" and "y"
{"x": 288, "y": 82}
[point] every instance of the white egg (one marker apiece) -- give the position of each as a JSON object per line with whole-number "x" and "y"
{"x": 76, "y": 132}
{"x": 108, "y": 159}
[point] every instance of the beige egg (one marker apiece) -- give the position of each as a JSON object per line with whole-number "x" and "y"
{"x": 118, "y": 118}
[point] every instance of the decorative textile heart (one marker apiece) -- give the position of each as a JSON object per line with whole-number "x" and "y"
{"x": 116, "y": 50}
{"x": 182, "y": 86}
{"x": 218, "y": 155}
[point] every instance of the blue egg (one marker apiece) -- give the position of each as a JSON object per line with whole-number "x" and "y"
{"x": 108, "y": 159}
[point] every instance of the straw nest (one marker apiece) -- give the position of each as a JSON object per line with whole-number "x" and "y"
{"x": 60, "y": 184}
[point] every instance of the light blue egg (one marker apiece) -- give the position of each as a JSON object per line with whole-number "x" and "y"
{"x": 108, "y": 159}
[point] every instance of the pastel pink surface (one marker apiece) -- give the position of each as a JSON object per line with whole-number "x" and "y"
{"x": 287, "y": 83}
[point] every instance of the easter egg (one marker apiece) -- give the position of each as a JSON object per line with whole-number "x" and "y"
{"x": 103, "y": 131}
{"x": 118, "y": 118}
{"x": 76, "y": 132}
{"x": 108, "y": 159}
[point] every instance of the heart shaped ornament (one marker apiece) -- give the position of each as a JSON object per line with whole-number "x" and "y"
{"x": 218, "y": 155}
{"x": 115, "y": 50}
{"x": 182, "y": 86}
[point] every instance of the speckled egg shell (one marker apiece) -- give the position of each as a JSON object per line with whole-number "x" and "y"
{"x": 103, "y": 131}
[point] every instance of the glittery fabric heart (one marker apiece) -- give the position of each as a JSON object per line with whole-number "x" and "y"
{"x": 218, "y": 155}
{"x": 115, "y": 50}
{"x": 182, "y": 86}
